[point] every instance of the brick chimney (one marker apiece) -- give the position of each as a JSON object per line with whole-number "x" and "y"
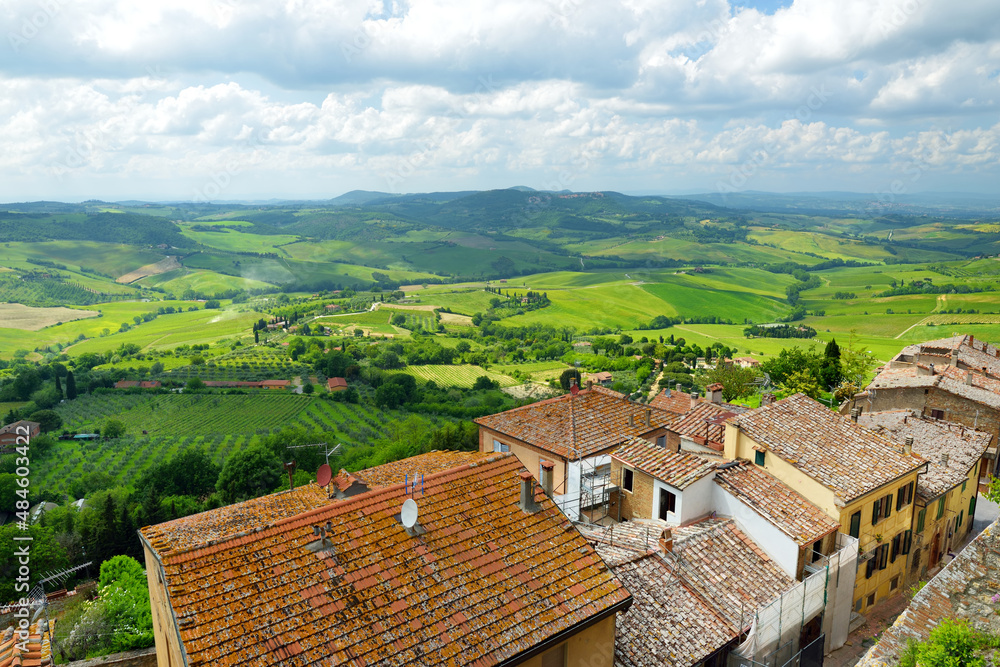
{"x": 667, "y": 541}
{"x": 944, "y": 459}
{"x": 631, "y": 420}
{"x": 767, "y": 399}
{"x": 715, "y": 392}
{"x": 694, "y": 400}
{"x": 855, "y": 413}
{"x": 527, "y": 503}
{"x": 649, "y": 413}
{"x": 908, "y": 445}
{"x": 548, "y": 467}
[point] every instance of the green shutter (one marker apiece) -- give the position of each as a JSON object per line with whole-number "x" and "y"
{"x": 940, "y": 512}
{"x": 972, "y": 506}
{"x": 759, "y": 458}
{"x": 856, "y": 524}
{"x": 921, "y": 517}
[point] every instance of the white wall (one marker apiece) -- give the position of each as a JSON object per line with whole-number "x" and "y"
{"x": 775, "y": 543}
{"x": 692, "y": 503}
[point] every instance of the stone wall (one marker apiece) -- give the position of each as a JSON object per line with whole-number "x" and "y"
{"x": 142, "y": 658}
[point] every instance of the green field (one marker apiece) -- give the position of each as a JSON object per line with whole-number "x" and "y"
{"x": 203, "y": 282}
{"x": 457, "y": 376}
{"x": 176, "y": 422}
{"x": 108, "y": 258}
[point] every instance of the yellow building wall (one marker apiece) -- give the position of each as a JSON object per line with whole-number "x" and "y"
{"x": 529, "y": 456}
{"x": 740, "y": 445}
{"x": 168, "y": 649}
{"x": 956, "y": 504}
{"x": 593, "y": 647}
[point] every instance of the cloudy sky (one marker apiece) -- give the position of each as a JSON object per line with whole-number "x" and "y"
{"x": 228, "y": 99}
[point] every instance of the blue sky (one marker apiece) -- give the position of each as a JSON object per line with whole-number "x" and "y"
{"x": 229, "y": 99}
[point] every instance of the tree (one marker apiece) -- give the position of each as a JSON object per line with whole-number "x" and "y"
{"x": 194, "y": 384}
{"x": 950, "y": 644}
{"x": 390, "y": 395}
{"x": 801, "y": 382}
{"x": 737, "y": 382}
{"x": 398, "y": 319}
{"x": 256, "y": 336}
{"x": 71, "y": 386}
{"x": 59, "y": 387}
{"x": 46, "y": 555}
{"x": 463, "y": 347}
{"x": 484, "y": 382}
{"x": 113, "y": 428}
{"x": 567, "y": 375}
{"x": 308, "y": 388}
{"x": 48, "y": 420}
{"x": 855, "y": 361}
{"x": 249, "y": 473}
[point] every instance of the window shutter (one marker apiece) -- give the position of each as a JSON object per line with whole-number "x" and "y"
{"x": 895, "y": 547}
{"x": 883, "y": 560}
{"x": 870, "y": 566}
{"x": 876, "y": 511}
{"x": 921, "y": 518}
{"x": 856, "y": 524}
{"x": 887, "y": 509}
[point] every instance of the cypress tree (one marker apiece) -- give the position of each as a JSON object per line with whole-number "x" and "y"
{"x": 59, "y": 386}
{"x": 70, "y": 386}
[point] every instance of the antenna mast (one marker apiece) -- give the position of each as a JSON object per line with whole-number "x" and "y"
{"x": 326, "y": 449}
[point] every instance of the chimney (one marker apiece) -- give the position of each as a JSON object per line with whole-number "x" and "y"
{"x": 767, "y": 399}
{"x": 649, "y": 413}
{"x": 908, "y": 445}
{"x": 944, "y": 459}
{"x": 694, "y": 400}
{"x": 547, "y": 469}
{"x": 968, "y": 378}
{"x": 590, "y": 385}
{"x": 932, "y": 369}
{"x": 855, "y": 413}
{"x": 631, "y": 420}
{"x": 678, "y": 387}
{"x": 916, "y": 358}
{"x": 954, "y": 358}
{"x": 715, "y": 393}
{"x": 667, "y": 541}
{"x": 527, "y": 503}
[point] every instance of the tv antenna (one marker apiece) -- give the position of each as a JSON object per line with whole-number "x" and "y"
{"x": 326, "y": 449}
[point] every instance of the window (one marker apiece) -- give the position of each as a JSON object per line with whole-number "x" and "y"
{"x": 881, "y": 509}
{"x": 883, "y": 556}
{"x": 887, "y": 506}
{"x": 964, "y": 483}
{"x": 668, "y": 503}
{"x": 817, "y": 550}
{"x": 856, "y": 524}
{"x": 555, "y": 657}
{"x": 972, "y": 507}
{"x": 921, "y": 517}
{"x": 758, "y": 458}
{"x": 905, "y": 496}
{"x": 661, "y": 441}
{"x": 904, "y": 548}
{"x": 940, "y": 512}
{"x": 500, "y": 446}
{"x": 871, "y": 565}
{"x": 937, "y": 414}
{"x": 627, "y": 479}
{"x": 871, "y": 599}
{"x": 961, "y": 517}
{"x": 896, "y": 543}
{"x": 894, "y": 583}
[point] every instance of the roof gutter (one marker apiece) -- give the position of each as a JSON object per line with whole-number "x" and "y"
{"x": 166, "y": 591}
{"x": 560, "y": 637}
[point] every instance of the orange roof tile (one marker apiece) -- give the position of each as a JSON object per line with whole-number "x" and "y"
{"x": 829, "y": 448}
{"x": 398, "y": 472}
{"x": 38, "y": 653}
{"x": 678, "y": 469}
{"x": 776, "y": 502}
{"x": 482, "y": 583}
{"x": 704, "y": 424}
{"x": 592, "y": 421}
{"x": 673, "y": 401}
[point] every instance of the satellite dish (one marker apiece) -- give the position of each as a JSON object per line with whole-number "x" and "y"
{"x": 324, "y": 475}
{"x": 409, "y": 513}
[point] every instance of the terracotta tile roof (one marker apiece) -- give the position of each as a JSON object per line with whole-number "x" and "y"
{"x": 829, "y": 448}
{"x": 775, "y": 502}
{"x": 239, "y": 518}
{"x": 12, "y": 428}
{"x": 934, "y": 440}
{"x": 705, "y": 425}
{"x": 678, "y": 469}
{"x": 275, "y": 383}
{"x": 687, "y": 603}
{"x": 968, "y": 352}
{"x": 482, "y": 583}
{"x": 333, "y": 383}
{"x": 398, "y": 472}
{"x": 673, "y": 401}
{"x": 38, "y": 653}
{"x": 984, "y": 389}
{"x": 231, "y": 383}
{"x": 964, "y": 590}
{"x": 599, "y": 417}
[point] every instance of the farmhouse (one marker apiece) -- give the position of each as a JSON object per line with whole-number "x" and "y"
{"x": 603, "y": 378}
{"x": 571, "y": 437}
{"x": 487, "y": 573}
{"x": 136, "y": 384}
{"x": 859, "y": 478}
{"x": 746, "y": 362}
{"x": 955, "y": 379}
{"x": 23, "y": 429}
{"x": 336, "y": 384}
{"x": 275, "y": 384}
